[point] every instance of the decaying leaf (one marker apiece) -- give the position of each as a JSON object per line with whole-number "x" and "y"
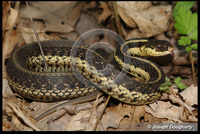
{"x": 112, "y": 117}
{"x": 183, "y": 112}
{"x": 151, "y": 21}
{"x": 59, "y": 124}
{"x": 9, "y": 41}
{"x": 177, "y": 70}
{"x": 131, "y": 123}
{"x": 162, "y": 109}
{"x": 134, "y": 33}
{"x": 188, "y": 116}
{"x": 125, "y": 7}
{"x": 29, "y": 35}
{"x": 7, "y": 92}
{"x": 183, "y": 58}
{"x": 23, "y": 115}
{"x": 106, "y": 12}
{"x": 5, "y": 9}
{"x": 59, "y": 16}
{"x": 80, "y": 121}
{"x": 10, "y": 37}
{"x": 177, "y": 99}
{"x": 190, "y": 95}
{"x": 120, "y": 117}
{"x": 10, "y": 16}
{"x": 18, "y": 126}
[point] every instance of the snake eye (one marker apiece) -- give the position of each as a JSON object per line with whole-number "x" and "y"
{"x": 158, "y": 47}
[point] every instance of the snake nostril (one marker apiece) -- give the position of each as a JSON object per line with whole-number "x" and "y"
{"x": 62, "y": 22}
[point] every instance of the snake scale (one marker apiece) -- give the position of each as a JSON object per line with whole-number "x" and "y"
{"x": 27, "y": 76}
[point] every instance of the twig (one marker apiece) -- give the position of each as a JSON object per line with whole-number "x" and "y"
{"x": 132, "y": 119}
{"x": 192, "y": 63}
{"x": 37, "y": 37}
{"x": 117, "y": 19}
{"x": 191, "y": 59}
{"x": 95, "y": 127}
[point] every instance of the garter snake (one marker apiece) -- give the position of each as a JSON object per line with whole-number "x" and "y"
{"x": 25, "y": 71}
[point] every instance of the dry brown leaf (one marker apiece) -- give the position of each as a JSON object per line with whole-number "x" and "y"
{"x": 185, "y": 113}
{"x": 162, "y": 109}
{"x": 134, "y": 33}
{"x": 18, "y": 126}
{"x": 59, "y": 16}
{"x": 167, "y": 110}
{"x": 82, "y": 106}
{"x": 126, "y": 122}
{"x": 71, "y": 36}
{"x": 29, "y": 35}
{"x": 124, "y": 7}
{"x": 85, "y": 120}
{"x": 162, "y": 36}
{"x": 177, "y": 70}
{"x": 113, "y": 116}
{"x": 7, "y": 92}
{"x": 149, "y": 118}
{"x": 174, "y": 97}
{"x": 60, "y": 124}
{"x": 188, "y": 116}
{"x": 177, "y": 99}
{"x": 9, "y": 19}
{"x": 137, "y": 113}
{"x": 183, "y": 58}
{"x": 190, "y": 95}
{"x": 106, "y": 12}
{"x": 75, "y": 13}
{"x": 62, "y": 120}
{"x": 80, "y": 121}
{"x": 85, "y": 23}
{"x": 5, "y": 9}
{"x": 52, "y": 120}
{"x": 188, "y": 82}
{"x": 23, "y": 115}
{"x": 151, "y": 21}
{"x": 9, "y": 41}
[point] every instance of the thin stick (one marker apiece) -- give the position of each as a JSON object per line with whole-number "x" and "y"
{"x": 37, "y": 37}
{"x": 95, "y": 127}
{"x": 192, "y": 63}
{"x": 117, "y": 19}
{"x": 191, "y": 59}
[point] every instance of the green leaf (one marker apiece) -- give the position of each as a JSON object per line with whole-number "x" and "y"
{"x": 191, "y": 21}
{"x": 184, "y": 40}
{"x": 180, "y": 27}
{"x": 164, "y": 88}
{"x": 194, "y": 34}
{"x": 194, "y": 46}
{"x": 182, "y": 86}
{"x": 186, "y": 22}
{"x": 166, "y": 84}
{"x": 180, "y": 21}
{"x": 177, "y": 80}
{"x": 167, "y": 79}
{"x": 188, "y": 49}
{"x": 187, "y": 4}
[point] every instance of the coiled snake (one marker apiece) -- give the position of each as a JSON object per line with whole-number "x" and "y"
{"x": 25, "y": 70}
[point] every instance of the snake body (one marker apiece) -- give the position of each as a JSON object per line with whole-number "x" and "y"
{"x": 27, "y": 76}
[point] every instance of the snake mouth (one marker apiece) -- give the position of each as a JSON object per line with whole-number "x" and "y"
{"x": 172, "y": 53}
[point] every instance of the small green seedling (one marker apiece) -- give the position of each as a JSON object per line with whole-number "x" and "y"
{"x": 165, "y": 86}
